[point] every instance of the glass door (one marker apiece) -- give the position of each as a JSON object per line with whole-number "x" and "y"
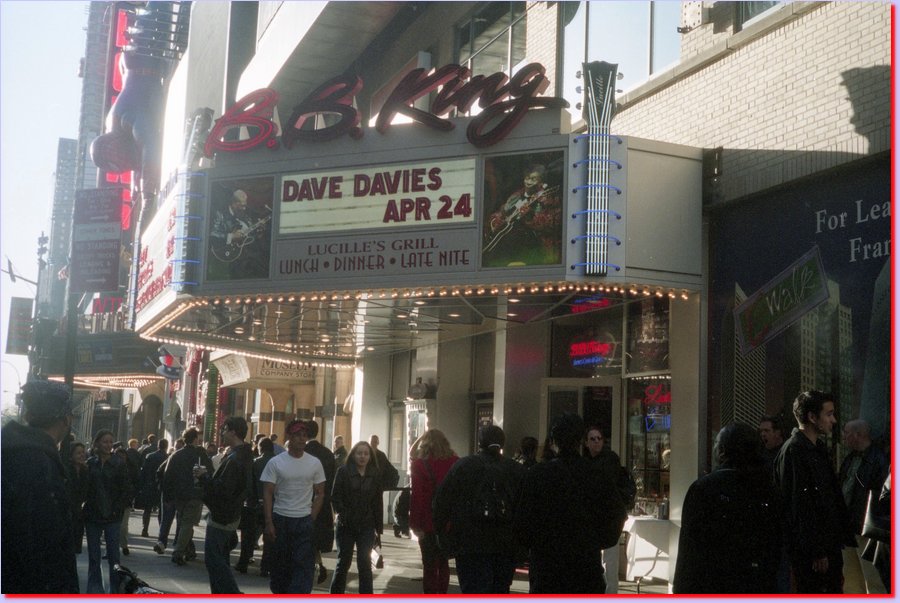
{"x": 598, "y": 401}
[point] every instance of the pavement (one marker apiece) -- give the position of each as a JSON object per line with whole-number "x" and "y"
{"x": 401, "y": 575}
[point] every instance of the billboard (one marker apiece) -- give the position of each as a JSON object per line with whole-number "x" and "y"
{"x": 96, "y": 240}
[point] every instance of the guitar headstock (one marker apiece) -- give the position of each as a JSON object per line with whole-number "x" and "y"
{"x": 599, "y": 92}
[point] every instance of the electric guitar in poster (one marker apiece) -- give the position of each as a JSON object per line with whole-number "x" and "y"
{"x": 232, "y": 251}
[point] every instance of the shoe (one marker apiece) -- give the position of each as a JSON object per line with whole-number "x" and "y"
{"x": 125, "y": 551}
{"x": 396, "y": 531}
{"x": 190, "y": 555}
{"x": 323, "y": 575}
{"x": 264, "y": 573}
{"x": 179, "y": 560}
{"x": 241, "y": 568}
{"x": 160, "y": 548}
{"x": 145, "y": 533}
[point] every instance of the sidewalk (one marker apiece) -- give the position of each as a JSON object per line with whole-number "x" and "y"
{"x": 401, "y": 575}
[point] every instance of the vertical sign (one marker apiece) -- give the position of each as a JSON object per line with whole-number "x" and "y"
{"x": 19, "y": 332}
{"x": 96, "y": 235}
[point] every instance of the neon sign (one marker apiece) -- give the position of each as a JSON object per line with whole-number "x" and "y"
{"x": 585, "y": 353}
{"x": 504, "y": 101}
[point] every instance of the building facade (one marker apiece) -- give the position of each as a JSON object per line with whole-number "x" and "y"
{"x": 335, "y": 252}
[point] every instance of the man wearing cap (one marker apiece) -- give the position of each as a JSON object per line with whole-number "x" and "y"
{"x": 38, "y": 542}
{"x": 293, "y": 494}
{"x": 476, "y": 501}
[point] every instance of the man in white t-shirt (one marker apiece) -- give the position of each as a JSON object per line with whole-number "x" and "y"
{"x": 293, "y": 493}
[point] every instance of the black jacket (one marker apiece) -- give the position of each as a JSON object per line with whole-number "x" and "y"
{"x": 178, "y": 482}
{"x": 259, "y": 464}
{"x": 453, "y": 499}
{"x": 109, "y": 490}
{"x": 730, "y": 540}
{"x": 225, "y": 492}
{"x": 357, "y": 499}
{"x": 323, "y": 536}
{"x": 149, "y": 484}
{"x": 568, "y": 509}
{"x": 873, "y": 470}
{"x": 38, "y": 543}
{"x": 815, "y": 519}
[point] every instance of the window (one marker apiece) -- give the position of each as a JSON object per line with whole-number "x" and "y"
{"x": 747, "y": 12}
{"x": 493, "y": 40}
{"x": 641, "y": 37}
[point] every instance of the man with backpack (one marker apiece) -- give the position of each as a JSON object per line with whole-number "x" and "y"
{"x": 477, "y": 500}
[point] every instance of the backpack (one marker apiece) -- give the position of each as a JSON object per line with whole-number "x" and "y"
{"x": 492, "y": 499}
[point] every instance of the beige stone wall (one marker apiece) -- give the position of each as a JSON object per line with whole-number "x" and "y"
{"x": 774, "y": 97}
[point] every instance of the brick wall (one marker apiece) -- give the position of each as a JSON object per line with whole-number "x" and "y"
{"x": 541, "y": 37}
{"x": 777, "y": 102}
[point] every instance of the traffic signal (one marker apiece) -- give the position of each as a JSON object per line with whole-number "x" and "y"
{"x": 168, "y": 367}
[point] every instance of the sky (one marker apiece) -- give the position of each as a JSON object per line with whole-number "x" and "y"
{"x": 40, "y": 94}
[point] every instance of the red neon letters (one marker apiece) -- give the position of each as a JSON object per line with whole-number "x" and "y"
{"x": 503, "y": 101}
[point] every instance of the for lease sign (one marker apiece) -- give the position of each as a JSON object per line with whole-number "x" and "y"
{"x": 429, "y": 193}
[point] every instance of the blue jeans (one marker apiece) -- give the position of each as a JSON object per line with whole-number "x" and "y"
{"x": 485, "y": 573}
{"x": 110, "y": 533}
{"x": 363, "y": 540}
{"x": 293, "y": 558}
{"x": 216, "y": 557}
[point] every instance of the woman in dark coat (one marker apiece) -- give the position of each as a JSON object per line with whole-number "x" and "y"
{"x": 356, "y": 499}
{"x": 108, "y": 489}
{"x": 78, "y": 486}
{"x": 730, "y": 539}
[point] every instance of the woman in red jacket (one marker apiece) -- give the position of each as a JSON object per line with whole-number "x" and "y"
{"x": 432, "y": 459}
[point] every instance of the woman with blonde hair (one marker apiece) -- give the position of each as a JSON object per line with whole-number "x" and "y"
{"x": 431, "y": 460}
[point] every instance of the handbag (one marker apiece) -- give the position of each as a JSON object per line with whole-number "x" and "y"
{"x": 877, "y": 524}
{"x": 377, "y": 557}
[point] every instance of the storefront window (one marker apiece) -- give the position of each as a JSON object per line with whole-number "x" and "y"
{"x": 589, "y": 345}
{"x": 648, "y": 446}
{"x": 648, "y": 335}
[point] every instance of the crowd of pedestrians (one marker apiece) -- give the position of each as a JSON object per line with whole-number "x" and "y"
{"x": 760, "y": 522}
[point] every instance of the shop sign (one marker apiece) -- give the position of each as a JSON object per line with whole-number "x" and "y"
{"x": 504, "y": 101}
{"x": 18, "y": 335}
{"x": 96, "y": 235}
{"x": 439, "y": 192}
{"x": 782, "y": 301}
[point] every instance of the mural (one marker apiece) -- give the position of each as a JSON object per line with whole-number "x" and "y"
{"x": 240, "y": 231}
{"x": 839, "y": 341}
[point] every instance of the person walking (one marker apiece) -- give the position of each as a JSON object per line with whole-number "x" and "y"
{"x": 862, "y": 471}
{"x": 816, "y": 522}
{"x": 187, "y": 493}
{"x": 323, "y": 529}
{"x": 149, "y": 493}
{"x": 568, "y": 513}
{"x": 730, "y": 539}
{"x": 77, "y": 477}
{"x": 224, "y": 494}
{"x": 340, "y": 453}
{"x": 474, "y": 506}
{"x": 266, "y": 453}
{"x": 133, "y": 473}
{"x": 293, "y": 493}
{"x": 357, "y": 501}
{"x": 38, "y": 543}
{"x": 107, "y": 494}
{"x": 431, "y": 461}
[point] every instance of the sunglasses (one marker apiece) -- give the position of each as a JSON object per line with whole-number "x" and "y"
{"x": 595, "y": 439}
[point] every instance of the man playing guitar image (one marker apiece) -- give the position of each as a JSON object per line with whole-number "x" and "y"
{"x": 232, "y": 239}
{"x": 525, "y": 229}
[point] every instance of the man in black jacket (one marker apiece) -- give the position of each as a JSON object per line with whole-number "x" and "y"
{"x": 477, "y": 500}
{"x": 816, "y": 523}
{"x": 224, "y": 494}
{"x": 180, "y": 485}
{"x": 150, "y": 486}
{"x": 38, "y": 542}
{"x": 323, "y": 528}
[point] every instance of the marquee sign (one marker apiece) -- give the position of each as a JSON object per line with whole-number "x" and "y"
{"x": 503, "y": 101}
{"x": 414, "y": 194}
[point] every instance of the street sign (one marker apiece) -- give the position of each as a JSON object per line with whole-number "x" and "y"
{"x": 96, "y": 240}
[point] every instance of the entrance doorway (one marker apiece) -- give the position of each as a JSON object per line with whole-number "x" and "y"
{"x": 598, "y": 401}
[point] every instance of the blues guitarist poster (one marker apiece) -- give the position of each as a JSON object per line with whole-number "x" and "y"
{"x": 523, "y": 210}
{"x": 240, "y": 231}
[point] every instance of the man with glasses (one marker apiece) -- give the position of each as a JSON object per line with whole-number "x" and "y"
{"x": 224, "y": 495}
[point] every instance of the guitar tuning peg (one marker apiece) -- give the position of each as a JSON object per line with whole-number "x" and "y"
{"x": 579, "y": 89}
{"x": 578, "y": 106}
{"x": 620, "y": 75}
{"x": 618, "y": 91}
{"x": 578, "y": 74}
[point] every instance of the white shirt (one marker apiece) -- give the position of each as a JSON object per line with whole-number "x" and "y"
{"x": 294, "y": 479}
